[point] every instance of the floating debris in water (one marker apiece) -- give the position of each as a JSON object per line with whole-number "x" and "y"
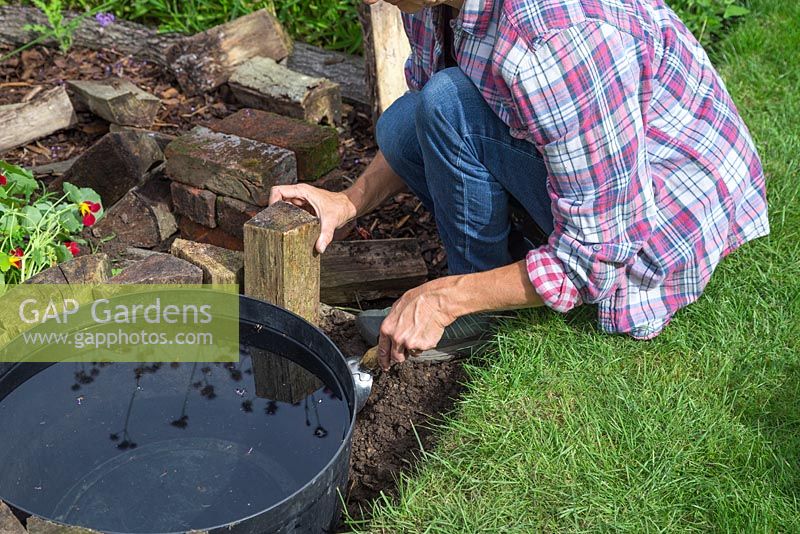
{"x": 241, "y": 392}
{"x": 320, "y": 432}
{"x": 80, "y": 399}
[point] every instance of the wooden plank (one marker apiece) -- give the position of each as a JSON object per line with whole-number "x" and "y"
{"x": 25, "y": 122}
{"x": 366, "y": 270}
{"x": 386, "y": 49}
{"x": 204, "y": 61}
{"x": 118, "y": 101}
{"x": 280, "y": 263}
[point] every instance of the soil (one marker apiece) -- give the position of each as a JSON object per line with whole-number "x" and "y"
{"x": 405, "y": 403}
{"x": 406, "y": 400}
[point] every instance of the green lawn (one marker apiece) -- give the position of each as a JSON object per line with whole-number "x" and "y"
{"x": 567, "y": 429}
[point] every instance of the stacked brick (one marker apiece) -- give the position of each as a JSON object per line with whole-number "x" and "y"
{"x": 222, "y": 173}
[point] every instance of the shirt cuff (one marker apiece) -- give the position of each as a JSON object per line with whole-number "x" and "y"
{"x": 550, "y": 280}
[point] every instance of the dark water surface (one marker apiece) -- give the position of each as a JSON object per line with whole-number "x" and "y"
{"x": 166, "y": 447}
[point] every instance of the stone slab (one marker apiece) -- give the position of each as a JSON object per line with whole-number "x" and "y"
{"x": 160, "y": 269}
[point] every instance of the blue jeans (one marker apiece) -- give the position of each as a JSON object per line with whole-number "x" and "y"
{"x": 459, "y": 158}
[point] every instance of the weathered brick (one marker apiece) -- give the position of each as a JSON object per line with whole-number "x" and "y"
{"x": 219, "y": 265}
{"x": 315, "y": 147}
{"x": 233, "y": 213}
{"x": 230, "y": 165}
{"x": 202, "y": 234}
{"x": 197, "y": 204}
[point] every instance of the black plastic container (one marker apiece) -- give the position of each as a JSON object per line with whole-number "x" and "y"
{"x": 316, "y": 505}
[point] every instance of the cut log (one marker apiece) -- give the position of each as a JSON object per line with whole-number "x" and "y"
{"x": 230, "y": 165}
{"x": 204, "y": 61}
{"x": 366, "y": 270}
{"x": 115, "y": 164}
{"x": 142, "y": 218}
{"x": 117, "y": 100}
{"x": 316, "y": 148}
{"x": 345, "y": 69}
{"x": 146, "y": 43}
{"x": 126, "y": 37}
{"x": 280, "y": 264}
{"x": 262, "y": 83}
{"x": 27, "y": 121}
{"x": 386, "y": 49}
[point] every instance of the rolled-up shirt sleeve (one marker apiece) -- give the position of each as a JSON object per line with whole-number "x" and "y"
{"x": 578, "y": 92}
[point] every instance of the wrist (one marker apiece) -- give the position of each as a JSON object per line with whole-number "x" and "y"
{"x": 451, "y": 296}
{"x": 350, "y": 206}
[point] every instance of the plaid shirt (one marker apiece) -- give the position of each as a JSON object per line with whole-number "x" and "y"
{"x": 652, "y": 175}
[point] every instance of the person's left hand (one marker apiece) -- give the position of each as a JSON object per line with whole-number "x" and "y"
{"x": 416, "y": 323}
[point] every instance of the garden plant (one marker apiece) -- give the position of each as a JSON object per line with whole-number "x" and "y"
{"x": 39, "y": 229}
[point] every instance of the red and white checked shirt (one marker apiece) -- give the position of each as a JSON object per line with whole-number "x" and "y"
{"x": 652, "y": 174}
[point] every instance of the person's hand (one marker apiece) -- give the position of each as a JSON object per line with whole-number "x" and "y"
{"x": 333, "y": 209}
{"x": 416, "y": 323}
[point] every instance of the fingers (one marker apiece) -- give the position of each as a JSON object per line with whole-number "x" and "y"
{"x": 325, "y": 236}
{"x": 384, "y": 348}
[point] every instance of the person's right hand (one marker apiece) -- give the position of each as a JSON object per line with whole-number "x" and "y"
{"x": 333, "y": 209}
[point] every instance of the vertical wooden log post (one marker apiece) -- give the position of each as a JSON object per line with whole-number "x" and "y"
{"x": 386, "y": 49}
{"x": 280, "y": 263}
{"x": 281, "y": 267}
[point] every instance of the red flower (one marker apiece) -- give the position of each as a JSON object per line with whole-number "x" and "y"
{"x": 88, "y": 209}
{"x": 3, "y": 179}
{"x": 73, "y": 248}
{"x": 16, "y": 257}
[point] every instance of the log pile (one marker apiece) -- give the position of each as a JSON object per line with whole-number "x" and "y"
{"x": 203, "y": 195}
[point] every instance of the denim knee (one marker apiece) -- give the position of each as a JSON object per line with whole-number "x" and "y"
{"x": 445, "y": 97}
{"x": 396, "y": 134}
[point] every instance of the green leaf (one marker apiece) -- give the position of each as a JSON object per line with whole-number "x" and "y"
{"x": 62, "y": 253}
{"x": 69, "y": 221}
{"x": 733, "y": 11}
{"x": 31, "y": 217}
{"x": 8, "y": 224}
{"x": 79, "y": 194}
{"x": 5, "y": 264}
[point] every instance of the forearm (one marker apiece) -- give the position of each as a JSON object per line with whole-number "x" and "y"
{"x": 377, "y": 183}
{"x": 504, "y": 288}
